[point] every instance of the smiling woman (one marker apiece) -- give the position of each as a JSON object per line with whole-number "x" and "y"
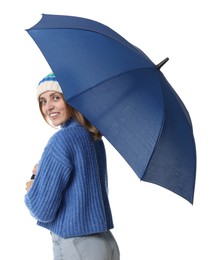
{"x": 68, "y": 195}
{"x": 53, "y": 107}
{"x": 51, "y": 101}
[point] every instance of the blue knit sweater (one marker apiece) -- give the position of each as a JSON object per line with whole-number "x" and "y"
{"x": 69, "y": 194}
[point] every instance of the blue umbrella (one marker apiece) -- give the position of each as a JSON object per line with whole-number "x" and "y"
{"x": 125, "y": 95}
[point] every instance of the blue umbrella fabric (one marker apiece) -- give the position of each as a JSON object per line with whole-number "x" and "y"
{"x": 125, "y": 95}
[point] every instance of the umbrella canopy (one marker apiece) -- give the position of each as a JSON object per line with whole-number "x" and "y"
{"x": 125, "y": 95}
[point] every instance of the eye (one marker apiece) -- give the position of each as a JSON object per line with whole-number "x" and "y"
{"x": 56, "y": 97}
{"x": 42, "y": 101}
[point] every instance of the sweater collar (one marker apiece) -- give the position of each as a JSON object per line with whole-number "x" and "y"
{"x": 68, "y": 123}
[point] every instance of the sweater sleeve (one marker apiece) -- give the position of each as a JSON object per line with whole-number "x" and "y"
{"x": 54, "y": 173}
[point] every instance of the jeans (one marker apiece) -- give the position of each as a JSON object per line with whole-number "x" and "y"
{"x": 101, "y": 246}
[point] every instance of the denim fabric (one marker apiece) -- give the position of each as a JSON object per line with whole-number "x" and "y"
{"x": 101, "y": 246}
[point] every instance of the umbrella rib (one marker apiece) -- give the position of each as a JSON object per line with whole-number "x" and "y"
{"x": 108, "y": 79}
{"x": 156, "y": 144}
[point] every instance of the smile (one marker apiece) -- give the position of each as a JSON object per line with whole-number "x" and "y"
{"x": 53, "y": 114}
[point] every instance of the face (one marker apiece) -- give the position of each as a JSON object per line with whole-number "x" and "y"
{"x": 53, "y": 107}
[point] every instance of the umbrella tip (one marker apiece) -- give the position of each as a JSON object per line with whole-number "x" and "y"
{"x": 162, "y": 63}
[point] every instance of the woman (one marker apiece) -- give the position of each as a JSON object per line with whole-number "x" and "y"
{"x": 68, "y": 195}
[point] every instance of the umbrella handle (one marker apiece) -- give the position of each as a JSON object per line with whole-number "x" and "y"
{"x": 159, "y": 65}
{"x": 32, "y": 177}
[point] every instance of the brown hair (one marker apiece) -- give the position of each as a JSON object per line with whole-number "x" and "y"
{"x": 76, "y": 115}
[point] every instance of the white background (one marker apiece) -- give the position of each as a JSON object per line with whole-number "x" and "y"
{"x": 150, "y": 222}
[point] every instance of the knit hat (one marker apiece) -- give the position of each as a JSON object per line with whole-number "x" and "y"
{"x": 49, "y": 83}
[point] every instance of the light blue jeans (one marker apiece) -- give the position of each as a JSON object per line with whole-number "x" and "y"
{"x": 101, "y": 246}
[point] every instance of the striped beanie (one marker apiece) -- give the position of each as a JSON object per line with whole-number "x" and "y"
{"x": 49, "y": 83}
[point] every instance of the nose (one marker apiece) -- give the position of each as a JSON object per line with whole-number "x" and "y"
{"x": 49, "y": 105}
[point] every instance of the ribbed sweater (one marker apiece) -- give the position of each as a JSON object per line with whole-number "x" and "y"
{"x": 69, "y": 195}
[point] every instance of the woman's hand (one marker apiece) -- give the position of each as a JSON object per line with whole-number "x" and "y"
{"x": 30, "y": 182}
{"x": 28, "y": 185}
{"x": 34, "y": 171}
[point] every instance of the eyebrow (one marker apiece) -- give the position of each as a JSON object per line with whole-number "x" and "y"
{"x": 52, "y": 94}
